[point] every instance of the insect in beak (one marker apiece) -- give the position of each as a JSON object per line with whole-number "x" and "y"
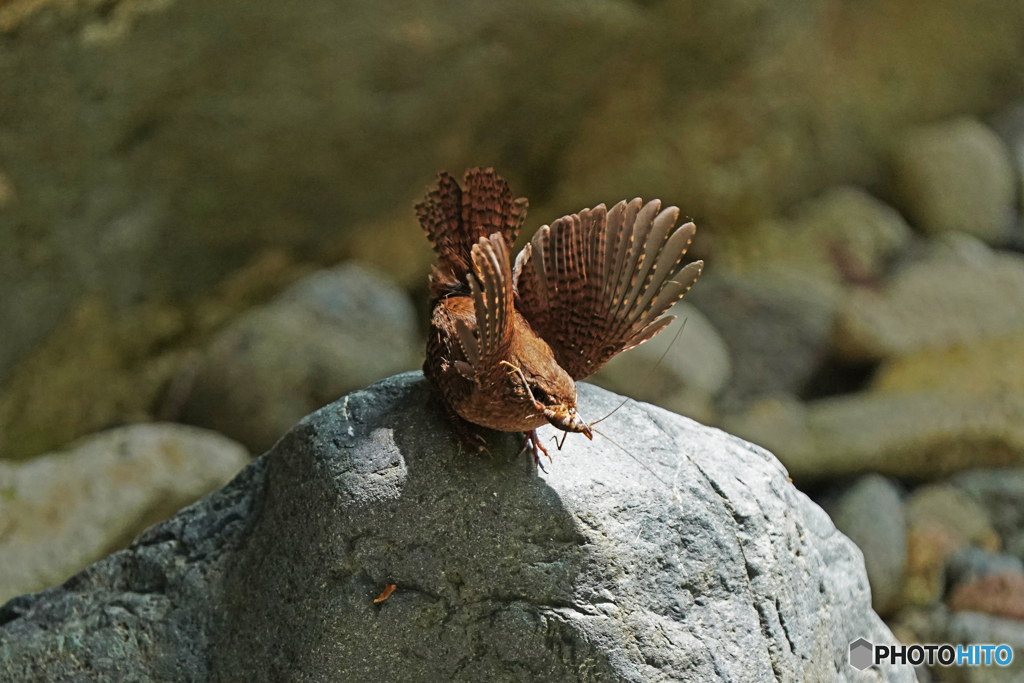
{"x": 567, "y": 421}
{"x": 561, "y": 417}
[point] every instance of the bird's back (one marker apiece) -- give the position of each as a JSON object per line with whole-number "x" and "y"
{"x": 491, "y": 404}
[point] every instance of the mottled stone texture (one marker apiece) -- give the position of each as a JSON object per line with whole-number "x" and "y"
{"x": 63, "y": 511}
{"x": 702, "y": 564}
{"x": 148, "y": 149}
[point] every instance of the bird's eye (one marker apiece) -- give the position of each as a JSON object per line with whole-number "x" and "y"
{"x": 539, "y": 394}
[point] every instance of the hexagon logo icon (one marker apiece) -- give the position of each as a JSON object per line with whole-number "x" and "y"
{"x": 861, "y": 652}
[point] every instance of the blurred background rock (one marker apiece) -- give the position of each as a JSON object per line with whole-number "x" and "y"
{"x": 205, "y": 217}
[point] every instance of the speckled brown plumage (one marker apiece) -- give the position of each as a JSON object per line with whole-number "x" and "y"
{"x": 507, "y": 343}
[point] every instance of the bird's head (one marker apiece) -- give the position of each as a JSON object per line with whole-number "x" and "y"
{"x": 553, "y": 392}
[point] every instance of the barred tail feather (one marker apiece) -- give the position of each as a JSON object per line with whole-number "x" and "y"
{"x": 456, "y": 217}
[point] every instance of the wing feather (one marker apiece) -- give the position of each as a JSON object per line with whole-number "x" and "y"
{"x": 468, "y": 343}
{"x": 490, "y": 286}
{"x": 622, "y": 266}
{"x": 598, "y": 282}
{"x": 647, "y": 244}
{"x": 612, "y": 232}
{"x": 540, "y": 266}
{"x": 667, "y": 262}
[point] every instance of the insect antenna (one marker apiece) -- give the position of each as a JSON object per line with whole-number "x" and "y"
{"x": 559, "y": 444}
{"x": 627, "y": 399}
{"x": 649, "y": 374}
{"x": 635, "y": 459}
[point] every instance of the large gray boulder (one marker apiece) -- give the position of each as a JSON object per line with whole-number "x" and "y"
{"x": 701, "y": 564}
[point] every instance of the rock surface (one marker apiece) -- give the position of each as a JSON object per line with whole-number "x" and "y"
{"x": 332, "y": 332}
{"x": 776, "y": 330}
{"x": 92, "y": 375}
{"x": 941, "y": 520}
{"x": 973, "y": 563}
{"x": 1001, "y": 493}
{"x": 933, "y": 412}
{"x": 150, "y": 161}
{"x": 844, "y": 236}
{"x": 104, "y": 367}
{"x": 956, "y": 176}
{"x": 1009, "y": 125}
{"x": 698, "y": 358}
{"x": 62, "y": 511}
{"x": 7, "y": 193}
{"x": 1001, "y": 595}
{"x": 985, "y": 367}
{"x": 708, "y": 566}
{"x": 917, "y": 624}
{"x": 975, "y": 627}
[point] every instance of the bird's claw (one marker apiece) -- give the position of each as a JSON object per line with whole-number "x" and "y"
{"x": 466, "y": 436}
{"x": 533, "y": 442}
{"x": 475, "y": 442}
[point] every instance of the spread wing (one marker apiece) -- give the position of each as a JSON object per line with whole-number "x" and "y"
{"x": 597, "y": 282}
{"x": 490, "y": 286}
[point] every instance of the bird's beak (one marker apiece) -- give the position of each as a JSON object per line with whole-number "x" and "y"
{"x": 568, "y": 421}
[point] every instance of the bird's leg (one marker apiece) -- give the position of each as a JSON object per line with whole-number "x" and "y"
{"x": 533, "y": 442}
{"x": 464, "y": 432}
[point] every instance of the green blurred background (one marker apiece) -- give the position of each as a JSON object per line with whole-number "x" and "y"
{"x": 205, "y": 220}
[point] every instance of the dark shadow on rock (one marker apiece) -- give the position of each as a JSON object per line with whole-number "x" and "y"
{"x": 373, "y": 490}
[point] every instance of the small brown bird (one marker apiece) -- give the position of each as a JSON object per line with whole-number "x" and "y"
{"x": 506, "y": 344}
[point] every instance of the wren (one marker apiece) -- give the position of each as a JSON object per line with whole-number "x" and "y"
{"x": 507, "y": 342}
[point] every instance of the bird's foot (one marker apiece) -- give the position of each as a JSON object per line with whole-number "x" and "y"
{"x": 468, "y": 437}
{"x": 465, "y": 435}
{"x": 533, "y": 442}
